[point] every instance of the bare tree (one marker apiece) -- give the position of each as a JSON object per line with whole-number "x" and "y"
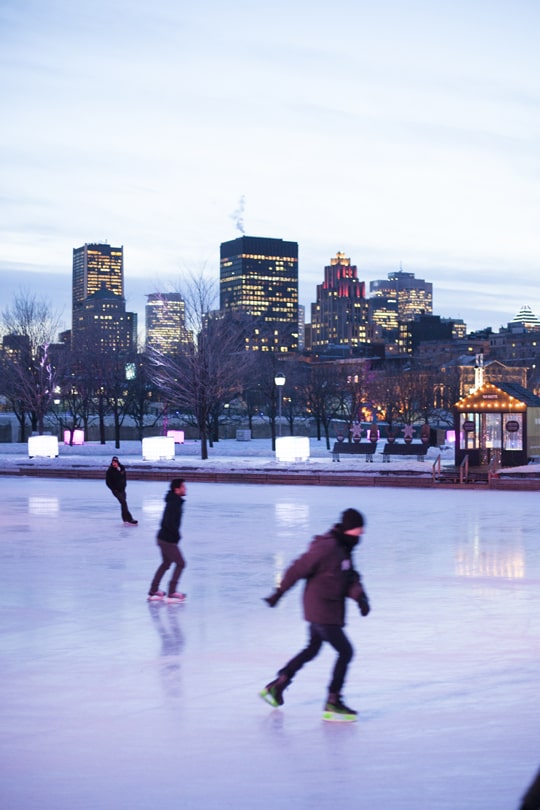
{"x": 115, "y": 391}
{"x": 207, "y": 371}
{"x": 268, "y": 366}
{"x": 29, "y": 372}
{"x": 385, "y": 393}
{"x": 354, "y": 386}
{"x": 140, "y": 402}
{"x": 320, "y": 386}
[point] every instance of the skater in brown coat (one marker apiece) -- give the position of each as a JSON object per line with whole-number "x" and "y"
{"x": 327, "y": 567}
{"x": 168, "y": 539}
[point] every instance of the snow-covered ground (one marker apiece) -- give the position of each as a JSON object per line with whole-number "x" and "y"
{"x": 231, "y": 454}
{"x": 110, "y": 702}
{"x": 228, "y": 453}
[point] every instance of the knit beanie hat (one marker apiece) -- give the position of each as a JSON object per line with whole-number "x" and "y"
{"x": 351, "y": 519}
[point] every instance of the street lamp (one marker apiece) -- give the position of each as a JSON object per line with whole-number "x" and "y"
{"x": 279, "y": 381}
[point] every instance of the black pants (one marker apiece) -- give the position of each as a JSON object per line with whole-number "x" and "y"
{"x": 334, "y": 635}
{"x": 121, "y": 497}
{"x": 170, "y": 553}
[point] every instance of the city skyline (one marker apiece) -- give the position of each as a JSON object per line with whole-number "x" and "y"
{"x": 398, "y": 135}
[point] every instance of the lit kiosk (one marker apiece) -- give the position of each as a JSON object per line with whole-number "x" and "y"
{"x": 497, "y": 423}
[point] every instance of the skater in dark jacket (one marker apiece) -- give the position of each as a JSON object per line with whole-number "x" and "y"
{"x": 328, "y": 569}
{"x": 168, "y": 539}
{"x": 116, "y": 480}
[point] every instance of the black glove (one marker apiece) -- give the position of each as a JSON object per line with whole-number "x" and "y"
{"x": 363, "y": 604}
{"x": 274, "y": 598}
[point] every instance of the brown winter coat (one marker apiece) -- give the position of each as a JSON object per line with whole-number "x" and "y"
{"x": 330, "y": 578}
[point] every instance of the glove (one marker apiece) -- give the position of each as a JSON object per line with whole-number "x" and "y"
{"x": 353, "y": 577}
{"x": 363, "y": 605}
{"x": 274, "y": 598}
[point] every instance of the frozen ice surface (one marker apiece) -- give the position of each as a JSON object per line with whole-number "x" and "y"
{"x": 111, "y": 702}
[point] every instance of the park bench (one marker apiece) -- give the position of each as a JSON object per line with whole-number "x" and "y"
{"x": 354, "y": 449}
{"x": 412, "y": 449}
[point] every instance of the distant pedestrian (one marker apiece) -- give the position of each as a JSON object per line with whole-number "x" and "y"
{"x": 328, "y": 569}
{"x": 116, "y": 480}
{"x": 168, "y": 539}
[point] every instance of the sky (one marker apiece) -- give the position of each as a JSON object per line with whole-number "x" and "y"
{"x": 402, "y": 134}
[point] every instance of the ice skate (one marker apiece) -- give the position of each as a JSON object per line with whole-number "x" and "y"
{"x": 273, "y": 692}
{"x": 158, "y": 596}
{"x": 336, "y": 711}
{"x": 176, "y": 598}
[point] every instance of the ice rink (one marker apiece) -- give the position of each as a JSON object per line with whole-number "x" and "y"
{"x": 111, "y": 702}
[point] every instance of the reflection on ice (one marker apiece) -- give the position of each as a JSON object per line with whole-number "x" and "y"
{"x": 291, "y": 516}
{"x": 280, "y": 564}
{"x": 506, "y": 563}
{"x": 38, "y": 505}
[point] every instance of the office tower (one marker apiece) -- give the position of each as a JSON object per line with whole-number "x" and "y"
{"x": 99, "y": 317}
{"x": 340, "y": 314}
{"x": 383, "y": 310}
{"x": 259, "y": 278}
{"x": 165, "y": 322}
{"x": 413, "y": 296}
{"x": 95, "y": 266}
{"x": 101, "y": 323}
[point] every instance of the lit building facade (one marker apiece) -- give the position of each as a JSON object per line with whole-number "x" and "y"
{"x": 165, "y": 318}
{"x": 96, "y": 266}
{"x": 101, "y": 323}
{"x": 99, "y": 317}
{"x": 259, "y": 277}
{"x": 339, "y": 316}
{"x": 402, "y": 291}
{"x": 383, "y": 311}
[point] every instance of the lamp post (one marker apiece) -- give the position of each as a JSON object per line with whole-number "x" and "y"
{"x": 279, "y": 381}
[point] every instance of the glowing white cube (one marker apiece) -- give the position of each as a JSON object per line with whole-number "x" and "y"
{"x": 158, "y": 448}
{"x": 292, "y": 448}
{"x": 42, "y": 447}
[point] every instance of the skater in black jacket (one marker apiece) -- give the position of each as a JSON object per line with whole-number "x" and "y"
{"x": 168, "y": 539}
{"x": 328, "y": 569}
{"x": 116, "y": 480}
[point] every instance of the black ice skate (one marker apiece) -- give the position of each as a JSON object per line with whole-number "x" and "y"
{"x": 273, "y": 692}
{"x": 336, "y": 711}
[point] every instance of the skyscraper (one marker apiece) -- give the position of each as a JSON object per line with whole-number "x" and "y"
{"x": 99, "y": 316}
{"x": 96, "y": 266}
{"x": 101, "y": 323}
{"x": 339, "y": 316}
{"x": 259, "y": 277}
{"x": 413, "y": 296}
{"x": 165, "y": 322}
